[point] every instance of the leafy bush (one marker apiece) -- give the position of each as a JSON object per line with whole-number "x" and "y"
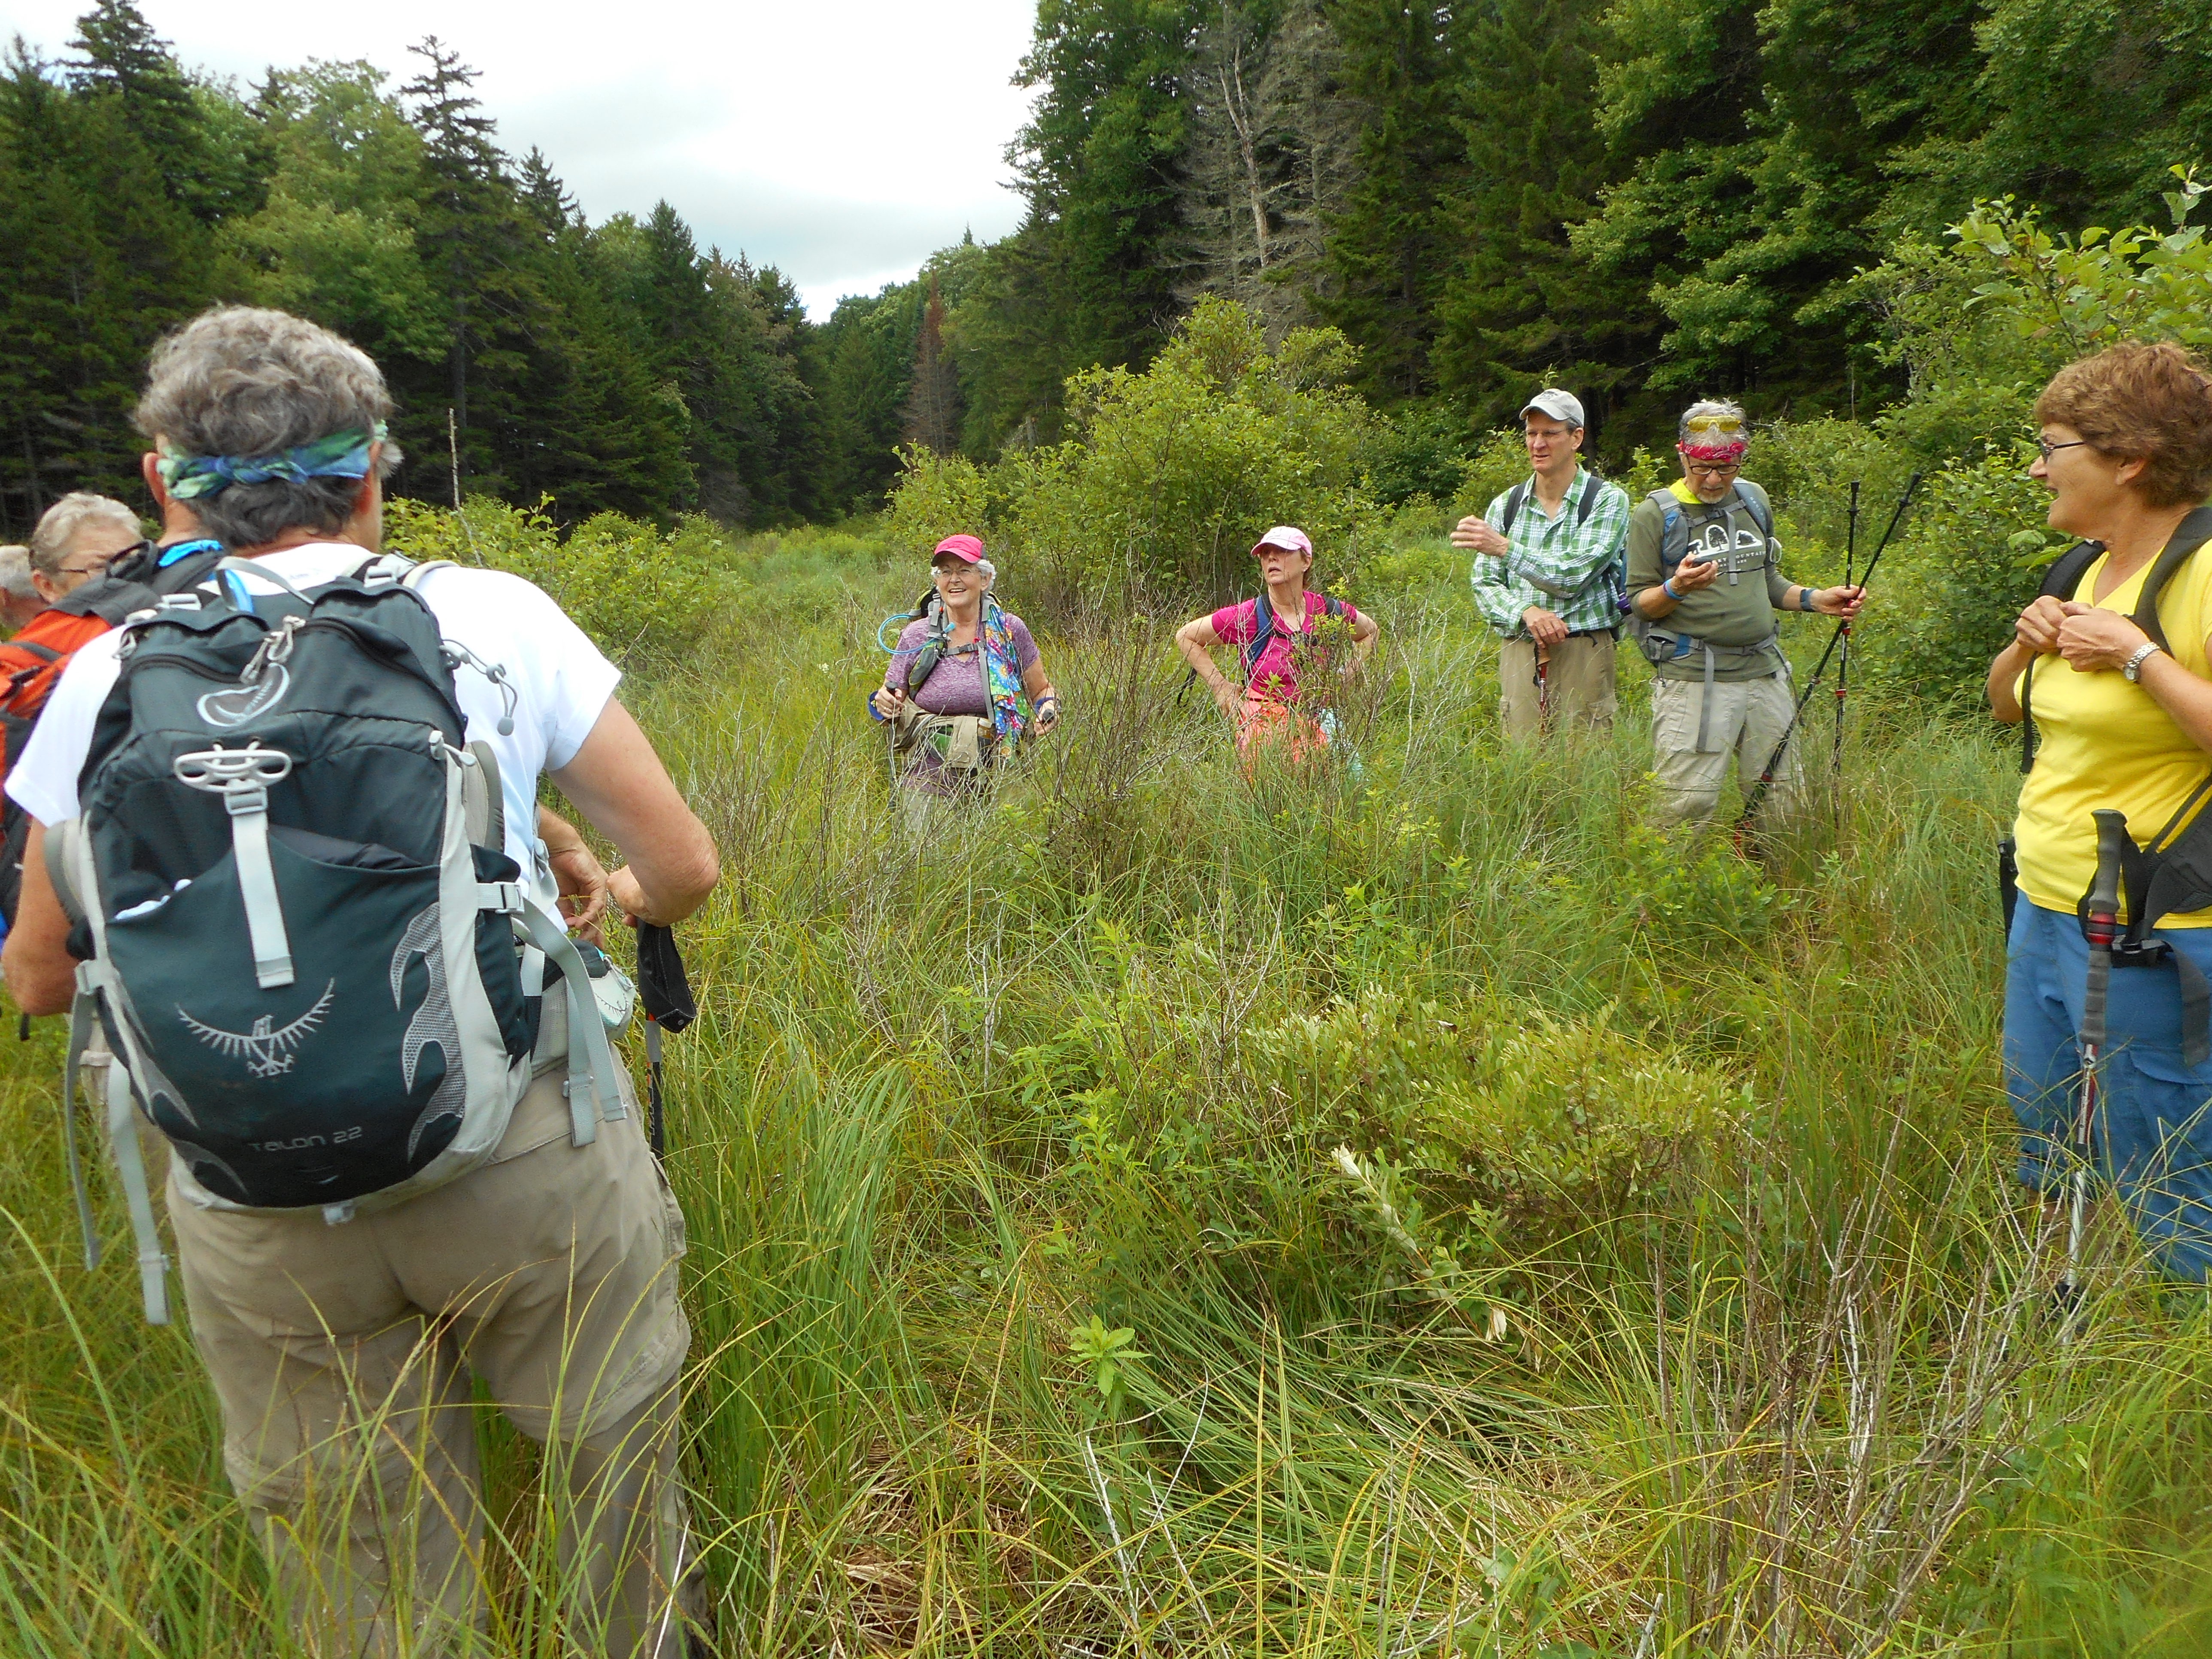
{"x": 1498, "y": 1111}
{"x": 639, "y": 593}
{"x": 1172, "y": 474}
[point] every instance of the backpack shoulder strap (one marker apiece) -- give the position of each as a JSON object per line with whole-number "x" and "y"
{"x": 2192, "y": 533}
{"x": 2061, "y": 579}
{"x": 1263, "y": 633}
{"x": 1755, "y": 503}
{"x": 1592, "y": 485}
{"x": 2064, "y": 573}
{"x": 1674, "y": 533}
{"x": 1514, "y": 497}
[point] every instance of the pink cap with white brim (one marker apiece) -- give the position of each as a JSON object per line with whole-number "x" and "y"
{"x": 1288, "y": 537}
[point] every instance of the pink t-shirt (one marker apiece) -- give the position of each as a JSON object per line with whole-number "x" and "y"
{"x": 1276, "y": 674}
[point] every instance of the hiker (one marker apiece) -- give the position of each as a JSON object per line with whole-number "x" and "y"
{"x": 1273, "y": 637}
{"x": 19, "y": 598}
{"x": 953, "y": 692}
{"x": 1548, "y": 577}
{"x": 77, "y": 538}
{"x": 1705, "y": 582}
{"x": 530, "y": 1243}
{"x": 2124, "y": 716}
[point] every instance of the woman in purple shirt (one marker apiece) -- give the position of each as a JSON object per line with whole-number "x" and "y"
{"x": 957, "y": 679}
{"x": 1269, "y": 703}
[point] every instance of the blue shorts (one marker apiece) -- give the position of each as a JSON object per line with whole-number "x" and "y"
{"x": 2153, "y": 1131}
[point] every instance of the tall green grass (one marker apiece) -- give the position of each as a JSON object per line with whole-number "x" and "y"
{"x": 1669, "y": 1295}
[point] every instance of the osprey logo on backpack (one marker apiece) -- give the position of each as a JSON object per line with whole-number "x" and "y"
{"x": 241, "y": 703}
{"x": 266, "y": 1052}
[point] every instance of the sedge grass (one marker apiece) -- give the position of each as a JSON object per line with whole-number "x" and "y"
{"x": 1779, "y": 1384}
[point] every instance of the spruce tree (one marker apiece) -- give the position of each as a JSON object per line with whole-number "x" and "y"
{"x": 933, "y": 405}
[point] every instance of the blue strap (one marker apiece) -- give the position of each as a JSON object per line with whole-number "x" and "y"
{"x": 186, "y": 549}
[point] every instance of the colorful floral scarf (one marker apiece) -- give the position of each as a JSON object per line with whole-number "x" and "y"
{"x": 1002, "y": 678}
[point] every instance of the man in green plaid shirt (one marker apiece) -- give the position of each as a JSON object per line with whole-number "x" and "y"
{"x": 1547, "y": 577}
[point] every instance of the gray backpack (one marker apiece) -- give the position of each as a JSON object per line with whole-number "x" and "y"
{"x": 1659, "y": 642}
{"x": 318, "y": 969}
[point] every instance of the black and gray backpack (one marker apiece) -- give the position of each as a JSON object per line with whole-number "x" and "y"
{"x": 316, "y": 968}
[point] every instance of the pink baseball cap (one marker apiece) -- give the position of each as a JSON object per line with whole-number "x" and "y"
{"x": 1288, "y": 537}
{"x": 966, "y": 548}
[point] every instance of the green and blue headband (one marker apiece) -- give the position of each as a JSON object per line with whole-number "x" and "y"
{"x": 340, "y": 455}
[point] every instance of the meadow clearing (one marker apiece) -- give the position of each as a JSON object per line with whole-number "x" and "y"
{"x": 1425, "y": 1211}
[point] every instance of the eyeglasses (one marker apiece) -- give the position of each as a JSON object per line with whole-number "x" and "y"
{"x": 2045, "y": 448}
{"x": 1728, "y": 426}
{"x": 1716, "y": 469}
{"x": 98, "y": 567}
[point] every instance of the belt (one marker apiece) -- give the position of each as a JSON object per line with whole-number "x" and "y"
{"x": 1612, "y": 632}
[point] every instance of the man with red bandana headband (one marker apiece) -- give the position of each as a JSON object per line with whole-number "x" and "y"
{"x": 1705, "y": 582}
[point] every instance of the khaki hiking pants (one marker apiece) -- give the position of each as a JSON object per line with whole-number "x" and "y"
{"x": 344, "y": 1357}
{"x": 1748, "y": 718}
{"x": 1578, "y": 684}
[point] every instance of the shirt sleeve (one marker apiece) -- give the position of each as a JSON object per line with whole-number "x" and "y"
{"x": 1025, "y": 646}
{"x": 1235, "y": 624}
{"x": 1563, "y": 568}
{"x": 902, "y": 655}
{"x": 1647, "y": 531}
{"x": 43, "y": 780}
{"x": 1500, "y": 598}
{"x": 1777, "y": 585}
{"x": 574, "y": 681}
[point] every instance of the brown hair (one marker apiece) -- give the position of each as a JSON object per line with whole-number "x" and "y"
{"x": 2139, "y": 402}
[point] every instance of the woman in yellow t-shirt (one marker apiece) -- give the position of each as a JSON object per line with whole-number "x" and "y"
{"x": 2127, "y": 454}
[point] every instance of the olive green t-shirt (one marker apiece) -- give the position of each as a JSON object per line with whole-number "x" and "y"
{"x": 1738, "y": 609}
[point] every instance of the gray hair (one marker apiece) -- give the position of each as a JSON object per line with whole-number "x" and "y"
{"x": 16, "y": 574}
{"x": 240, "y": 381}
{"x": 1711, "y": 406}
{"x": 59, "y": 525}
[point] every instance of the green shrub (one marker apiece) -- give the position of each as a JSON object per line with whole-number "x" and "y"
{"x": 1496, "y": 1109}
{"x": 1170, "y": 475}
{"x": 640, "y": 592}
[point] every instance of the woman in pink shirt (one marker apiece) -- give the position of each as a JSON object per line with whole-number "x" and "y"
{"x": 1278, "y": 635}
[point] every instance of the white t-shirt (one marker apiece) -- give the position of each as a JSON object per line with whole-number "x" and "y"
{"x": 561, "y": 680}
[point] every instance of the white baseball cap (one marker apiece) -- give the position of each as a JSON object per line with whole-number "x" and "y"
{"x": 1559, "y": 405}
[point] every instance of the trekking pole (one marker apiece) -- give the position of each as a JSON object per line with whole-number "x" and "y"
{"x": 1757, "y": 791}
{"x": 2101, "y": 924}
{"x": 1543, "y": 688}
{"x": 666, "y": 991}
{"x": 1844, "y": 660}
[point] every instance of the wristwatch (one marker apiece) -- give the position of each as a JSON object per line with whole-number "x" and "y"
{"x": 1804, "y": 599}
{"x": 2133, "y": 667}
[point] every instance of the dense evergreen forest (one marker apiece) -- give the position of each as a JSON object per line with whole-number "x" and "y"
{"x": 1637, "y": 196}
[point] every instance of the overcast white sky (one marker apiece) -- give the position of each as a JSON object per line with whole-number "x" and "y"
{"x": 841, "y": 140}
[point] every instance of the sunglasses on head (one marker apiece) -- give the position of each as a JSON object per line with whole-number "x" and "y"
{"x": 1729, "y": 425}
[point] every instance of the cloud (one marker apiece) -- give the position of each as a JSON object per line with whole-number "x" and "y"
{"x": 839, "y": 140}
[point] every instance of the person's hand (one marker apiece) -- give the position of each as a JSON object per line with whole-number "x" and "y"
{"x": 2092, "y": 640}
{"x": 1228, "y": 699}
{"x": 2037, "y": 631}
{"x": 629, "y": 897}
{"x": 1843, "y": 602}
{"x": 1546, "y": 628}
{"x": 582, "y": 880}
{"x": 1694, "y": 573}
{"x": 888, "y": 702}
{"x": 1047, "y": 712}
{"x": 1476, "y": 534}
